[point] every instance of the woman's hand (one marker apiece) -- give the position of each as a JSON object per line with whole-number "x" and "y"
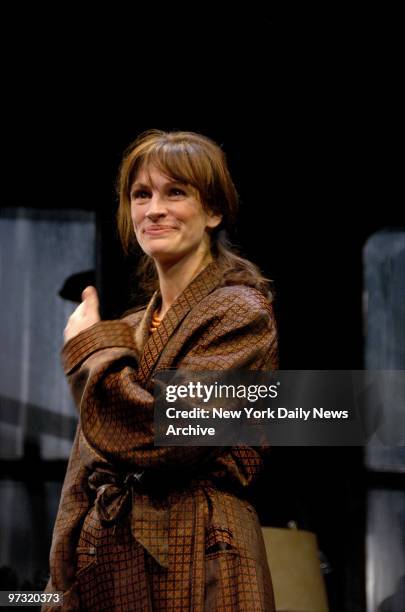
{"x": 85, "y": 315}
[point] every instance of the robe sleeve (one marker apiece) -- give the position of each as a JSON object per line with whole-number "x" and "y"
{"x": 117, "y": 412}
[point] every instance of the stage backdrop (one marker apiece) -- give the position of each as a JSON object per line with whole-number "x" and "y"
{"x": 45, "y": 256}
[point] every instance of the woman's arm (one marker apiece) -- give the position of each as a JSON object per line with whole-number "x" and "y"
{"x": 117, "y": 411}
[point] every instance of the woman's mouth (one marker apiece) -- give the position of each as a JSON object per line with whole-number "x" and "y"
{"x": 157, "y": 230}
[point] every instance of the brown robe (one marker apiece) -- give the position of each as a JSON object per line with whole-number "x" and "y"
{"x": 143, "y": 527}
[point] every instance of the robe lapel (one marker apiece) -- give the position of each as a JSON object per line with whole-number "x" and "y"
{"x": 142, "y": 330}
{"x": 203, "y": 284}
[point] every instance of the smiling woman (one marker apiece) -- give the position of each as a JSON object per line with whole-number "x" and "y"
{"x": 169, "y": 220}
{"x": 143, "y": 527}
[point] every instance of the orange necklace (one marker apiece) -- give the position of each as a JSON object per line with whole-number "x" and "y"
{"x": 155, "y": 322}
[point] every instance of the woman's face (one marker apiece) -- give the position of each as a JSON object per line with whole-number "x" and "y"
{"x": 168, "y": 218}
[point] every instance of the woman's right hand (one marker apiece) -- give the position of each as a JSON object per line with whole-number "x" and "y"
{"x": 85, "y": 315}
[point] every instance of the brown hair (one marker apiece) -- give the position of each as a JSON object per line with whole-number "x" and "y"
{"x": 198, "y": 161}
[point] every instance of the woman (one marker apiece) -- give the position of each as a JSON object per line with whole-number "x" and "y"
{"x": 141, "y": 527}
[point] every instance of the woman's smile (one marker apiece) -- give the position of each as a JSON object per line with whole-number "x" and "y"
{"x": 157, "y": 230}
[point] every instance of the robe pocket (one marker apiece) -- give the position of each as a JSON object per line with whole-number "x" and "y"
{"x": 86, "y": 558}
{"x": 219, "y": 540}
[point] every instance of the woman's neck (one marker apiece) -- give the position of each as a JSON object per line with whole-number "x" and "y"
{"x": 173, "y": 279}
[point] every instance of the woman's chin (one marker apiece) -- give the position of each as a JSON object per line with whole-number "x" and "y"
{"x": 164, "y": 257}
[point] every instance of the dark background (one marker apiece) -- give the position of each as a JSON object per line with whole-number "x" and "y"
{"x": 311, "y": 193}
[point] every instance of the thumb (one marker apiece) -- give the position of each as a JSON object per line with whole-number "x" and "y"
{"x": 90, "y": 295}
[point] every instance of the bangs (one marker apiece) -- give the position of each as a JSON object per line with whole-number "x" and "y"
{"x": 182, "y": 161}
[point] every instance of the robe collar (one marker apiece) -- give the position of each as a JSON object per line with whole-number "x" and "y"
{"x": 152, "y": 344}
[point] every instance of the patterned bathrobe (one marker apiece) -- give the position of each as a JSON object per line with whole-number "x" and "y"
{"x": 143, "y": 527}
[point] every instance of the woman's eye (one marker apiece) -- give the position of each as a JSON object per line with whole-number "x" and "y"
{"x": 176, "y": 192}
{"x": 140, "y": 194}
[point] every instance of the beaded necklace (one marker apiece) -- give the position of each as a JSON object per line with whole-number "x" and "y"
{"x": 155, "y": 322}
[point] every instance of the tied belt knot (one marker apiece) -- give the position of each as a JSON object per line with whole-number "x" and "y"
{"x": 114, "y": 493}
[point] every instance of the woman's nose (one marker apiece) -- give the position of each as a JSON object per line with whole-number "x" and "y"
{"x": 156, "y": 208}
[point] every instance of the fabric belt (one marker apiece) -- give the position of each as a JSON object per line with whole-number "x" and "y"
{"x": 137, "y": 494}
{"x": 115, "y": 490}
{"x": 114, "y": 493}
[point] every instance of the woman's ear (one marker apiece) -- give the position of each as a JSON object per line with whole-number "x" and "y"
{"x": 213, "y": 220}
